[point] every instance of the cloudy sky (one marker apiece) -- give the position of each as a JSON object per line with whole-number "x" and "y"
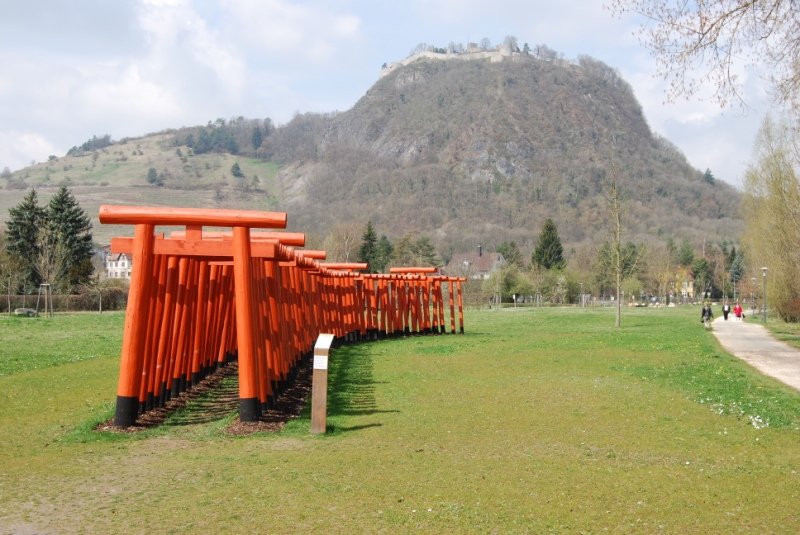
{"x": 73, "y": 69}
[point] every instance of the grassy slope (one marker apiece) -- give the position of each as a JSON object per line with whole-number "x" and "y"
{"x": 118, "y": 176}
{"x": 545, "y": 420}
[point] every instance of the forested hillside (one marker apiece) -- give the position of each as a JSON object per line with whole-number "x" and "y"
{"x": 481, "y": 152}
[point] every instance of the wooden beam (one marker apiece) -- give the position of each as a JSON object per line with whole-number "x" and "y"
{"x": 203, "y": 248}
{"x": 164, "y": 215}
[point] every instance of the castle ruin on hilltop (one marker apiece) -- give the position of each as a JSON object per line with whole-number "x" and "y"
{"x": 472, "y": 52}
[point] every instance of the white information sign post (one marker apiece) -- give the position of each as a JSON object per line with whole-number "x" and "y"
{"x": 319, "y": 384}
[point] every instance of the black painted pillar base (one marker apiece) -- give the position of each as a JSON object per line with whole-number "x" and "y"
{"x": 127, "y": 411}
{"x": 249, "y": 409}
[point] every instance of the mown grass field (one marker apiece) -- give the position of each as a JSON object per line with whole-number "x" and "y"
{"x": 541, "y": 421}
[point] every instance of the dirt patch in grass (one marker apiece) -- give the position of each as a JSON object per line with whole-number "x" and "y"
{"x": 215, "y": 397}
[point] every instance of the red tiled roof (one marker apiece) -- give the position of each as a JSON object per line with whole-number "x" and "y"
{"x": 484, "y": 263}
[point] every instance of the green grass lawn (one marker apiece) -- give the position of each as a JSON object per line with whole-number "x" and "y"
{"x": 788, "y": 332}
{"x": 537, "y": 420}
{"x": 33, "y": 343}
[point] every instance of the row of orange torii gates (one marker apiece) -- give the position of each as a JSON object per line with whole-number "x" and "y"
{"x": 200, "y": 299}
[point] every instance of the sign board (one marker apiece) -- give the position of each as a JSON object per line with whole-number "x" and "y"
{"x": 319, "y": 383}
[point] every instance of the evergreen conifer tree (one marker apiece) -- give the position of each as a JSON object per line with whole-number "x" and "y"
{"x": 27, "y": 218}
{"x": 511, "y": 253}
{"x": 257, "y": 138}
{"x": 383, "y": 254}
{"x": 71, "y": 228}
{"x": 549, "y": 252}
{"x": 403, "y": 253}
{"x": 419, "y": 252}
{"x": 369, "y": 248}
{"x": 737, "y": 267}
{"x": 425, "y": 253}
{"x": 686, "y": 253}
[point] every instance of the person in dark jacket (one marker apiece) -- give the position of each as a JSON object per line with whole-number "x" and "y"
{"x": 706, "y": 316}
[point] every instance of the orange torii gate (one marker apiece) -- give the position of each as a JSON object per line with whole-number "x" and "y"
{"x": 348, "y": 282}
{"x": 201, "y": 298}
{"x": 146, "y": 301}
{"x": 432, "y": 293}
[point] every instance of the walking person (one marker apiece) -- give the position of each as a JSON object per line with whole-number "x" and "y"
{"x": 726, "y": 309}
{"x": 738, "y": 311}
{"x": 706, "y": 316}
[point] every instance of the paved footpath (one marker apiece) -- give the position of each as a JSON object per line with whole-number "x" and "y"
{"x": 754, "y": 344}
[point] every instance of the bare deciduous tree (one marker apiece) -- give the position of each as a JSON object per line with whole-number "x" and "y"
{"x": 616, "y": 229}
{"x": 660, "y": 269}
{"x": 52, "y": 261}
{"x": 11, "y": 270}
{"x": 719, "y": 37}
{"x": 343, "y": 241}
{"x": 618, "y": 259}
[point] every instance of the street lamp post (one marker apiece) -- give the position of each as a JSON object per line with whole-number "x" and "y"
{"x": 764, "y": 274}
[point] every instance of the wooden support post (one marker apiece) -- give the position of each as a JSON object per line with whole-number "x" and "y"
{"x": 440, "y": 299}
{"x": 249, "y": 406}
{"x": 136, "y": 321}
{"x": 460, "y": 306}
{"x": 159, "y": 379}
{"x": 451, "y": 299}
{"x": 319, "y": 384}
{"x": 198, "y": 324}
{"x": 425, "y": 307}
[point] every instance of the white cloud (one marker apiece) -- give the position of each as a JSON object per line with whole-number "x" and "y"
{"x": 19, "y": 149}
{"x": 177, "y": 34}
{"x": 304, "y": 32}
{"x": 125, "y": 94}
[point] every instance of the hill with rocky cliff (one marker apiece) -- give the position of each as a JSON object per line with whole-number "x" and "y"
{"x": 481, "y": 152}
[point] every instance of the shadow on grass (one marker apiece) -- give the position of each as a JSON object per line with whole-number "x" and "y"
{"x": 333, "y": 429}
{"x": 351, "y": 385}
{"x": 351, "y": 392}
{"x": 212, "y": 405}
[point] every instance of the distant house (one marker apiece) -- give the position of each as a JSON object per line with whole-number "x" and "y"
{"x": 685, "y": 285}
{"x": 118, "y": 266}
{"x": 680, "y": 286}
{"x": 475, "y": 265}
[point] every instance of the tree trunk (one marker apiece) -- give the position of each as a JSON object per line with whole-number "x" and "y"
{"x": 615, "y": 220}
